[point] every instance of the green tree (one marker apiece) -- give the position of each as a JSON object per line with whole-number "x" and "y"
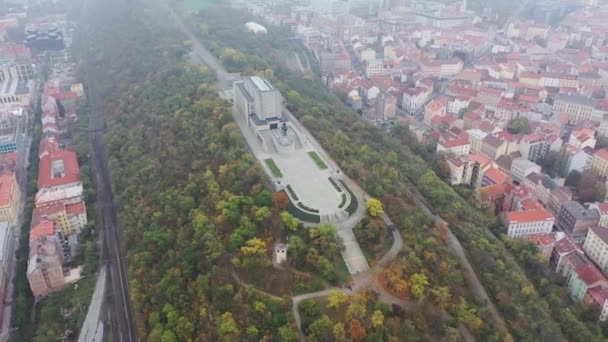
{"x": 228, "y": 328}
{"x": 321, "y": 329}
{"x": 519, "y": 125}
{"x": 168, "y": 336}
{"x": 288, "y": 334}
{"x": 573, "y": 179}
{"x": 310, "y": 308}
{"x": 418, "y": 282}
{"x": 289, "y": 222}
{"x": 441, "y": 297}
{"x": 590, "y": 188}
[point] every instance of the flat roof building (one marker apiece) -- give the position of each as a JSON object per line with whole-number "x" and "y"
{"x": 256, "y": 96}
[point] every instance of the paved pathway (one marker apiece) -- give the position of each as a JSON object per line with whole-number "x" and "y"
{"x": 363, "y": 276}
{"x": 92, "y": 328}
{"x": 473, "y": 282}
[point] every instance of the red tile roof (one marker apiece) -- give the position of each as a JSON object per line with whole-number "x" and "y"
{"x": 42, "y": 213}
{"x": 45, "y": 228}
{"x": 599, "y": 294}
{"x": 529, "y": 216}
{"x": 479, "y": 158}
{"x": 603, "y": 208}
{"x": 7, "y": 188}
{"x": 454, "y": 142}
{"x": 70, "y": 167}
{"x": 492, "y": 191}
{"x": 496, "y": 176}
{"x": 602, "y": 154}
{"x": 530, "y": 204}
{"x": 542, "y": 239}
{"x": 76, "y": 208}
{"x": 589, "y": 274}
{"x": 566, "y": 245}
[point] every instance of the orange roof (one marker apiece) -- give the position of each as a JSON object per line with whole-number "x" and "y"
{"x": 530, "y": 204}
{"x": 602, "y": 154}
{"x": 491, "y": 191}
{"x": 71, "y": 171}
{"x": 76, "y": 208}
{"x": 529, "y": 216}
{"x": 496, "y": 176}
{"x": 42, "y": 213}
{"x": 7, "y": 185}
{"x": 44, "y": 228}
{"x": 460, "y": 141}
{"x": 603, "y": 208}
{"x": 480, "y": 158}
{"x": 12, "y": 156}
{"x": 542, "y": 239}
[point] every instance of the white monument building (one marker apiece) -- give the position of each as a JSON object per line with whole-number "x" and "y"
{"x": 262, "y": 106}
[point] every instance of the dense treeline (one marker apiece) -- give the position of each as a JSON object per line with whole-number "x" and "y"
{"x": 384, "y": 165}
{"x": 184, "y": 184}
{"x": 429, "y": 259}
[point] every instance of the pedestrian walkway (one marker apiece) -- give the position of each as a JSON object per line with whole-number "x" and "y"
{"x": 92, "y": 328}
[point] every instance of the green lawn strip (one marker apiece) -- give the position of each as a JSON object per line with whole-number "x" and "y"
{"x": 336, "y": 186}
{"x": 343, "y": 201}
{"x": 301, "y": 215}
{"x": 315, "y": 157}
{"x": 273, "y": 167}
{"x": 352, "y": 206}
{"x": 292, "y": 193}
{"x": 303, "y": 206}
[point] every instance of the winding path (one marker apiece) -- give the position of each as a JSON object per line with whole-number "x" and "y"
{"x": 361, "y": 280}
{"x": 473, "y": 282}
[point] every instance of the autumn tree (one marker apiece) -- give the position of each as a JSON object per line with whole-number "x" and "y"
{"x": 590, "y": 188}
{"x": 377, "y": 319}
{"x": 418, "y": 282}
{"x": 280, "y": 200}
{"x": 441, "y": 297}
{"x": 255, "y": 254}
{"x": 227, "y": 328}
{"x": 374, "y": 207}
{"x": 336, "y": 299}
{"x": 468, "y": 315}
{"x": 339, "y": 332}
{"x": 357, "y": 308}
{"x": 356, "y": 330}
{"x": 289, "y": 222}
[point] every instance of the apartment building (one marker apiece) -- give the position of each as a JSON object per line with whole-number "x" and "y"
{"x": 599, "y": 162}
{"x": 576, "y": 220}
{"x": 45, "y": 265}
{"x": 578, "y": 107}
{"x": 596, "y": 247}
{"x": 520, "y": 224}
{"x": 10, "y": 197}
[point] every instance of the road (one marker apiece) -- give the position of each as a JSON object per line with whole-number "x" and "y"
{"x": 202, "y": 55}
{"x": 120, "y": 310}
